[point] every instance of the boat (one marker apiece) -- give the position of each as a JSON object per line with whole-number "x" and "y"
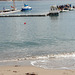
{"x": 65, "y": 8}
{"x": 71, "y": 9}
{"x": 53, "y": 11}
{"x": 26, "y": 7}
{"x": 8, "y": 11}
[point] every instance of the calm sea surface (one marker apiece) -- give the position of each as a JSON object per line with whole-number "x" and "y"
{"x": 49, "y": 42}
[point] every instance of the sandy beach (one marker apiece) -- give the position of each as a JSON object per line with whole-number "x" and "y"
{"x": 22, "y": 70}
{"x": 43, "y": 41}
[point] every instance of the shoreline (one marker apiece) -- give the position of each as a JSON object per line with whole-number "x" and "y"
{"x": 22, "y": 70}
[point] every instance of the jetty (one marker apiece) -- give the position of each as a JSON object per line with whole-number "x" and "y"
{"x": 40, "y": 15}
{"x": 31, "y": 15}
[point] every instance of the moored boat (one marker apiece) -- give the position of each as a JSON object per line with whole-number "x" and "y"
{"x": 8, "y": 11}
{"x": 26, "y": 7}
{"x": 65, "y": 8}
{"x": 53, "y": 11}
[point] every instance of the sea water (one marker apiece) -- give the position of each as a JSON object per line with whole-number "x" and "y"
{"x": 47, "y": 42}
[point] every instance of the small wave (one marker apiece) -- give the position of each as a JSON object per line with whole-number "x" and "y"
{"x": 9, "y": 60}
{"x": 33, "y": 62}
{"x": 43, "y": 57}
{"x": 55, "y": 56}
{"x": 65, "y": 55}
{"x": 59, "y": 61}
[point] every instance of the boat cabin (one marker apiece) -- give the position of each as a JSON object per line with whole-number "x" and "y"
{"x": 53, "y": 8}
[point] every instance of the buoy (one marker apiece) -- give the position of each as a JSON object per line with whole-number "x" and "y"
{"x": 24, "y": 22}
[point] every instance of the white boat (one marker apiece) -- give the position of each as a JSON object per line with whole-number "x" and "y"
{"x": 8, "y": 11}
{"x": 5, "y": 13}
{"x": 71, "y": 9}
{"x": 53, "y": 11}
{"x": 26, "y": 7}
{"x": 64, "y": 10}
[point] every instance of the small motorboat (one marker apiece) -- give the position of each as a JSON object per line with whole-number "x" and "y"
{"x": 26, "y": 7}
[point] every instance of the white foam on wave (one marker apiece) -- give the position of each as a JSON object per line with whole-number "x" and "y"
{"x": 33, "y": 62}
{"x": 57, "y": 61}
{"x": 65, "y": 55}
{"x": 55, "y": 56}
{"x": 46, "y": 57}
{"x": 64, "y": 68}
{"x": 13, "y": 60}
{"x": 9, "y": 60}
{"x": 42, "y": 57}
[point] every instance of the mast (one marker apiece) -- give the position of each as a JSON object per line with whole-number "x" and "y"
{"x": 14, "y": 4}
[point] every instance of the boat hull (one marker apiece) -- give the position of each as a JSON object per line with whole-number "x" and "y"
{"x": 24, "y": 9}
{"x": 53, "y": 13}
{"x": 9, "y": 12}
